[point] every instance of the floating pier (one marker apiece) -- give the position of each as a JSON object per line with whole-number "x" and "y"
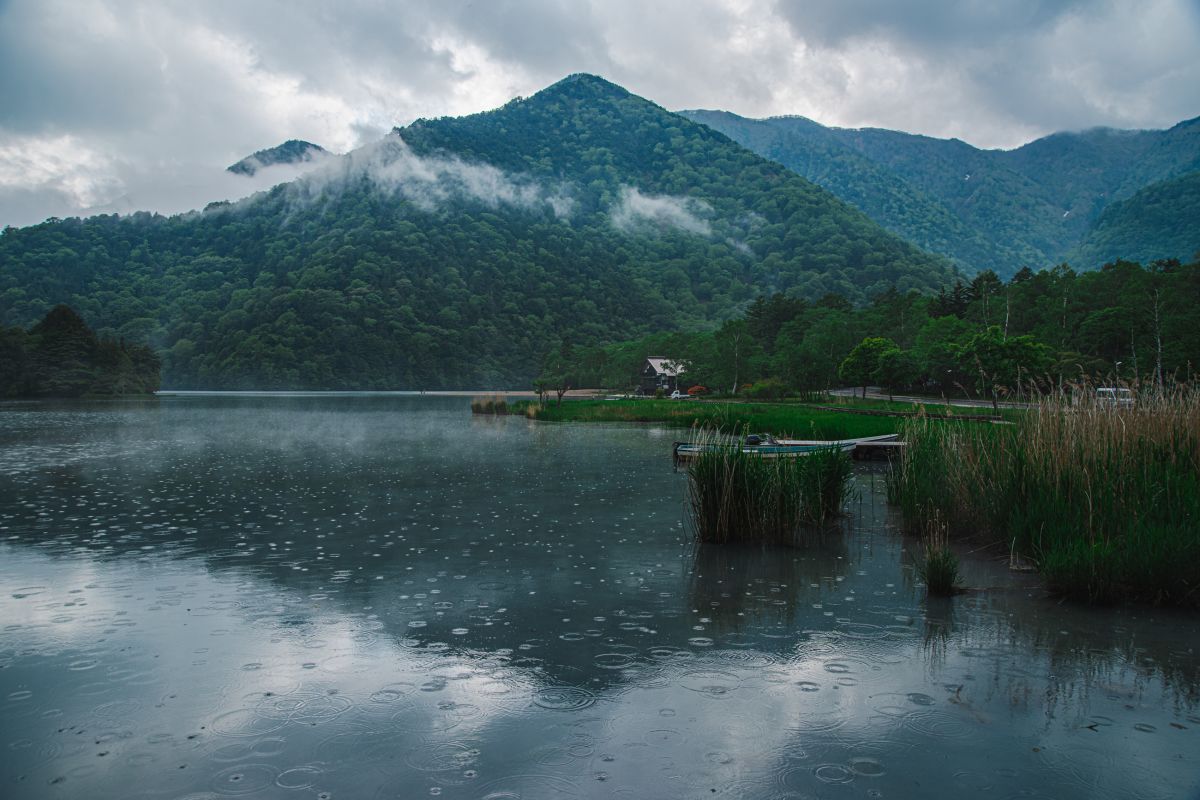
{"x": 881, "y": 450}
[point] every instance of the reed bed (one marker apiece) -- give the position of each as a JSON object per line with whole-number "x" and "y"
{"x": 742, "y": 497}
{"x": 489, "y": 404}
{"x": 1104, "y": 500}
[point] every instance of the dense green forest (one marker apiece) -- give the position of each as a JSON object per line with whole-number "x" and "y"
{"x": 456, "y": 251}
{"x": 1160, "y": 221}
{"x": 992, "y": 209}
{"x": 62, "y": 357}
{"x": 818, "y": 153}
{"x": 1123, "y": 323}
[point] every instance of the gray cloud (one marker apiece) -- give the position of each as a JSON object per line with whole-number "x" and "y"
{"x": 104, "y": 102}
{"x": 928, "y": 22}
{"x": 999, "y": 74}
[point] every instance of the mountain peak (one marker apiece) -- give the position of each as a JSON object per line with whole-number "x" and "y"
{"x": 293, "y": 151}
{"x": 587, "y": 80}
{"x": 582, "y": 86}
{"x": 578, "y": 88}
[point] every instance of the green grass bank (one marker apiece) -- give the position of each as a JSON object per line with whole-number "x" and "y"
{"x": 782, "y": 419}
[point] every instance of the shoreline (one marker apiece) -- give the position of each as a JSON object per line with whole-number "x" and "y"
{"x": 574, "y": 393}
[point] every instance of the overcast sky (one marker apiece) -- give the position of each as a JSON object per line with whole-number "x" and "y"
{"x": 126, "y": 104}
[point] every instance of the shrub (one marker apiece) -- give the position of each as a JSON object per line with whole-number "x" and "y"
{"x": 769, "y": 389}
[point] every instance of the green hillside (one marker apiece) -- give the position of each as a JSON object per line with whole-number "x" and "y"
{"x": 984, "y": 209}
{"x": 1160, "y": 221}
{"x": 817, "y": 153}
{"x": 457, "y": 251}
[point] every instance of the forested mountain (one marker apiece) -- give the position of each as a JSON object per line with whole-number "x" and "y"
{"x": 985, "y": 209}
{"x": 293, "y": 151}
{"x": 817, "y": 153}
{"x": 1158, "y": 222}
{"x": 456, "y": 252}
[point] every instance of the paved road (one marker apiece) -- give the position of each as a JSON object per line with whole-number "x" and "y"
{"x": 877, "y": 393}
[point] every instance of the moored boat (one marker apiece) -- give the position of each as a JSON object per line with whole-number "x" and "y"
{"x": 765, "y": 448}
{"x": 862, "y": 440}
{"x": 768, "y": 446}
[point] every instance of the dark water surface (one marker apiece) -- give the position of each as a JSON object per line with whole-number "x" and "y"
{"x": 383, "y": 597}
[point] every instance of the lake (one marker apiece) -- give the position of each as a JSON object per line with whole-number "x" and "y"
{"x": 381, "y": 596}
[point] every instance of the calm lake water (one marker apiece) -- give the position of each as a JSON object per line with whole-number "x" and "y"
{"x": 383, "y": 597}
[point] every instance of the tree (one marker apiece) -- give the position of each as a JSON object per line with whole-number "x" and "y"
{"x": 733, "y": 356}
{"x": 557, "y": 372}
{"x": 766, "y": 317}
{"x": 64, "y": 349}
{"x": 542, "y": 387}
{"x": 14, "y": 362}
{"x": 984, "y": 287}
{"x": 809, "y": 349}
{"x": 1001, "y": 363}
{"x": 859, "y": 368}
{"x": 896, "y": 369}
{"x": 951, "y": 302}
{"x": 937, "y": 350}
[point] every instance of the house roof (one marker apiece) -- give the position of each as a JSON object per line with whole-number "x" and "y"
{"x": 666, "y": 366}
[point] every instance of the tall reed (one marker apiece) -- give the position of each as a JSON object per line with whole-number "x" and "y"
{"x": 735, "y": 496}
{"x": 489, "y": 404}
{"x": 1105, "y": 500}
{"x": 938, "y": 566}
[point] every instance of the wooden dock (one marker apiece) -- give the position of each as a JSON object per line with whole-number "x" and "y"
{"x": 877, "y": 450}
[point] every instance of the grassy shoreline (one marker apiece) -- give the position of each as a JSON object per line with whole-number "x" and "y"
{"x": 782, "y": 419}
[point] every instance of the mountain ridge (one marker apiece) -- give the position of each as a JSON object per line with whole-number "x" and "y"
{"x": 1030, "y": 205}
{"x": 1144, "y": 227}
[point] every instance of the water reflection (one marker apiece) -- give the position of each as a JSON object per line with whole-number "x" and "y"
{"x": 766, "y": 591}
{"x": 383, "y": 597}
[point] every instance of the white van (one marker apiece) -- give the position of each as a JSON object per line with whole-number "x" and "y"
{"x": 1114, "y": 396}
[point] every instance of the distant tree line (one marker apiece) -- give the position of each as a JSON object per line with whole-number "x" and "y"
{"x": 985, "y": 338}
{"x": 62, "y": 357}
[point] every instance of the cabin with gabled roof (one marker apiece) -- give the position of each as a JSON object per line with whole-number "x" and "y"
{"x": 661, "y": 373}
